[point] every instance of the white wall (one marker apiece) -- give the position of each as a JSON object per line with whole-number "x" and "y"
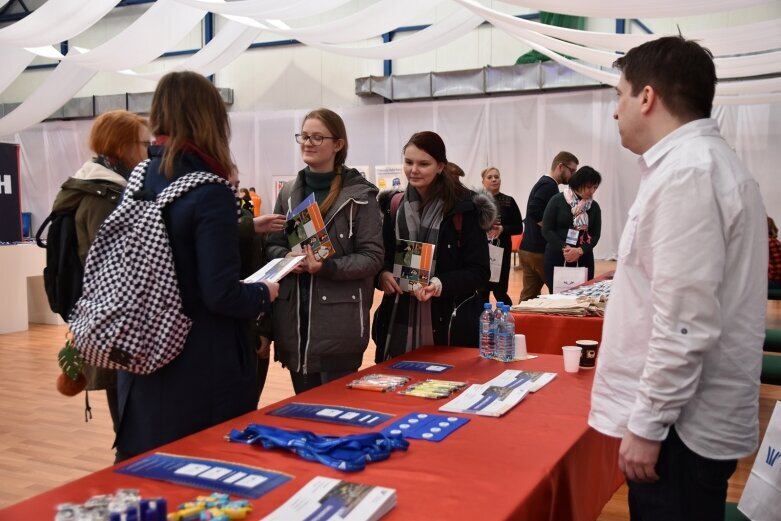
{"x": 518, "y": 134}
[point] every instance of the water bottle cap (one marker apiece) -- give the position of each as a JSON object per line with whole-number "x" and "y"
{"x": 487, "y": 305}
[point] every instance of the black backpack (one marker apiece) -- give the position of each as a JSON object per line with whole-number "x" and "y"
{"x": 63, "y": 274}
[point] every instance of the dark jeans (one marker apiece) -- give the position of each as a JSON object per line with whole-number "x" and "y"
{"x": 690, "y": 487}
{"x": 303, "y": 382}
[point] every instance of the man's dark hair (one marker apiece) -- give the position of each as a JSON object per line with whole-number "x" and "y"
{"x": 680, "y": 71}
{"x": 585, "y": 176}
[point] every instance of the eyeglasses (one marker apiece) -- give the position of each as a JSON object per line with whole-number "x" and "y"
{"x": 145, "y": 143}
{"x": 571, "y": 170}
{"x": 314, "y": 139}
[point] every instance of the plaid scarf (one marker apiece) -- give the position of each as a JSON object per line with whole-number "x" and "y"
{"x": 579, "y": 207}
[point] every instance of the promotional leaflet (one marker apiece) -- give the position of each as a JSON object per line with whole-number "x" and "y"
{"x": 275, "y": 270}
{"x": 532, "y": 380}
{"x": 331, "y": 414}
{"x": 424, "y": 426}
{"x": 305, "y": 226}
{"x": 324, "y": 499}
{"x": 222, "y": 476}
{"x": 423, "y": 367}
{"x": 486, "y": 400}
{"x": 412, "y": 264}
{"x": 500, "y": 394}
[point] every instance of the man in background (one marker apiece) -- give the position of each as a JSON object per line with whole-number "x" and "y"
{"x": 533, "y": 243}
{"x": 678, "y": 372}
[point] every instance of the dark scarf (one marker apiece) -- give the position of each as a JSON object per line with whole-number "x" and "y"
{"x": 114, "y": 166}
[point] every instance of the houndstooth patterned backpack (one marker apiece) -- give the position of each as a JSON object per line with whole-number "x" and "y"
{"x": 130, "y": 314}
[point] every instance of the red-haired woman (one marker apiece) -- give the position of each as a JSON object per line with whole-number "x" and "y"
{"x": 119, "y": 140}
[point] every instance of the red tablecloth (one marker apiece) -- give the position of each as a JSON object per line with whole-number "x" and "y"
{"x": 548, "y": 333}
{"x": 539, "y": 461}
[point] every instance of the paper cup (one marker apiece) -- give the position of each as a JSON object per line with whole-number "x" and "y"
{"x": 520, "y": 347}
{"x": 571, "y": 358}
{"x": 588, "y": 356}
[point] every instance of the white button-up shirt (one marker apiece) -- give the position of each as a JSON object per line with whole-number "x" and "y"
{"x": 685, "y": 323}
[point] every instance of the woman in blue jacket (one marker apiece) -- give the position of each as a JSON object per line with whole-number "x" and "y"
{"x": 213, "y": 379}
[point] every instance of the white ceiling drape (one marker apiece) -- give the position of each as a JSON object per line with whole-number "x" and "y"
{"x": 742, "y": 52}
{"x": 55, "y": 21}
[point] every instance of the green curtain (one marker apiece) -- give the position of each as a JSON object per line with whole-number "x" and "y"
{"x": 558, "y": 20}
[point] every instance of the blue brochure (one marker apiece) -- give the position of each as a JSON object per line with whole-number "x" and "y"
{"x": 222, "y": 476}
{"x": 425, "y": 426}
{"x": 331, "y": 414}
{"x": 423, "y": 367}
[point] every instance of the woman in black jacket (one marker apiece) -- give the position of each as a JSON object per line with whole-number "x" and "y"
{"x": 508, "y": 223}
{"x": 434, "y": 210}
{"x": 572, "y": 224}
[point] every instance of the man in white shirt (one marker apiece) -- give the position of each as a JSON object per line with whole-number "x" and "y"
{"x": 678, "y": 372}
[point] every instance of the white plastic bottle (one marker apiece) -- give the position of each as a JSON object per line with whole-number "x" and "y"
{"x": 487, "y": 331}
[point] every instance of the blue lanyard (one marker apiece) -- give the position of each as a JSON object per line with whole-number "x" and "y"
{"x": 348, "y": 453}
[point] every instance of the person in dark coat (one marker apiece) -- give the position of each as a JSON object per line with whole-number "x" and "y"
{"x": 533, "y": 244}
{"x": 431, "y": 210}
{"x": 508, "y": 223}
{"x": 213, "y": 379}
{"x": 572, "y": 224}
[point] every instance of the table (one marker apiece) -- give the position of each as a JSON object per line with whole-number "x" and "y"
{"x": 547, "y": 333}
{"x": 24, "y": 299}
{"x": 539, "y": 461}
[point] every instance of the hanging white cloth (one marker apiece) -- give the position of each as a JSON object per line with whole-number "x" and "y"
{"x": 55, "y": 21}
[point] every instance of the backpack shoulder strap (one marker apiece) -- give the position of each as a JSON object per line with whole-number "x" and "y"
{"x": 186, "y": 183}
{"x": 395, "y": 203}
{"x": 41, "y": 228}
{"x": 136, "y": 181}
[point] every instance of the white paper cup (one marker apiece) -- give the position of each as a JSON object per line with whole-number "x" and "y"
{"x": 520, "y": 347}
{"x": 571, "y": 358}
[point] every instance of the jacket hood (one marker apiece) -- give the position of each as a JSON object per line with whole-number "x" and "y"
{"x": 91, "y": 171}
{"x": 355, "y": 186}
{"x": 482, "y": 201}
{"x": 73, "y": 190}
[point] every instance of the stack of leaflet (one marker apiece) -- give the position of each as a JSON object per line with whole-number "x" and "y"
{"x": 556, "y": 304}
{"x": 499, "y": 395}
{"x": 336, "y": 500}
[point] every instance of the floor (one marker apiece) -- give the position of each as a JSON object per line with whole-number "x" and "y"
{"x": 44, "y": 440}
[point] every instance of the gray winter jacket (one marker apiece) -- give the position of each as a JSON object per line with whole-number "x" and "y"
{"x": 341, "y": 293}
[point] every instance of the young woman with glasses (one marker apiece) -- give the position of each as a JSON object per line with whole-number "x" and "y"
{"x": 321, "y": 317}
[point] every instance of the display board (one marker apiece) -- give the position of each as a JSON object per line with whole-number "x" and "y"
{"x": 10, "y": 194}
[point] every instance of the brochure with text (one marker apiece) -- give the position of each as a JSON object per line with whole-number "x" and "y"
{"x": 305, "y": 226}
{"x": 412, "y": 264}
{"x": 500, "y": 394}
{"x": 275, "y": 270}
{"x": 336, "y": 500}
